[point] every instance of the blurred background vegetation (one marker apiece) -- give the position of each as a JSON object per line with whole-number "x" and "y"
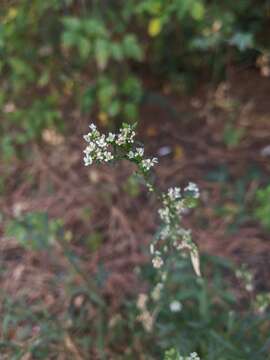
{"x": 195, "y": 75}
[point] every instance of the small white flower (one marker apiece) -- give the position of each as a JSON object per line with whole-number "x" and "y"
{"x": 132, "y": 135}
{"x": 180, "y": 207}
{"x": 87, "y": 137}
{"x": 101, "y": 142}
{"x": 90, "y": 148}
{"x": 93, "y": 127}
{"x": 164, "y": 214}
{"x": 126, "y": 136}
{"x": 157, "y": 262}
{"x": 192, "y": 187}
{"x": 120, "y": 140}
{"x": 150, "y": 187}
{"x": 148, "y": 163}
{"x": 108, "y": 156}
{"x": 140, "y": 151}
{"x": 165, "y": 232}
{"x": 194, "y": 356}
{"x": 175, "y": 306}
{"x": 249, "y": 287}
{"x": 111, "y": 137}
{"x": 88, "y": 160}
{"x": 99, "y": 155}
{"x": 131, "y": 155}
{"x": 174, "y": 193}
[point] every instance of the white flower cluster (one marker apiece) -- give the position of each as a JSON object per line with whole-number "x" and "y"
{"x": 192, "y": 356}
{"x": 157, "y": 261}
{"x": 147, "y": 164}
{"x": 137, "y": 154}
{"x": 98, "y": 148}
{"x": 174, "y": 193}
{"x": 174, "y": 205}
{"x": 193, "y": 189}
{"x": 102, "y": 148}
{"x": 125, "y": 136}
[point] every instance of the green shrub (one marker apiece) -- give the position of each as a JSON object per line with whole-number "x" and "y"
{"x": 62, "y": 55}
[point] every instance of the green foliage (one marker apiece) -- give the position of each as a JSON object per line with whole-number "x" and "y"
{"x": 209, "y": 321}
{"x": 53, "y": 56}
{"x": 171, "y": 354}
{"x": 116, "y": 92}
{"x": 201, "y": 33}
{"x": 65, "y": 54}
{"x": 17, "y": 317}
{"x": 262, "y": 209}
{"x": 34, "y": 230}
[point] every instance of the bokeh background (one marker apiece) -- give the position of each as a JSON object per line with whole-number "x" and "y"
{"x": 194, "y": 75}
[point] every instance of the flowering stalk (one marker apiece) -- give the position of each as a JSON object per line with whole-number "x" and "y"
{"x": 172, "y": 236}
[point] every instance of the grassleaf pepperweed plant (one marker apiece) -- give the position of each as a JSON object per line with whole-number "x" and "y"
{"x": 172, "y": 236}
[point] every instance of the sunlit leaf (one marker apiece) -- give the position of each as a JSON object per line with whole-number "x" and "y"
{"x": 154, "y": 27}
